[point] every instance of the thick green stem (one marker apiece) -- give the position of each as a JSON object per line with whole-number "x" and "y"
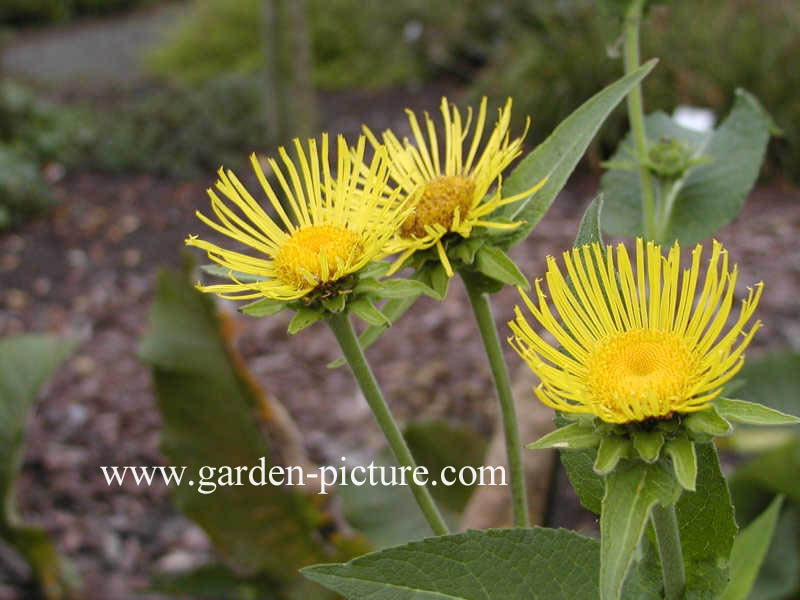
{"x": 665, "y": 523}
{"x": 343, "y": 332}
{"x": 483, "y": 315}
{"x": 636, "y": 116}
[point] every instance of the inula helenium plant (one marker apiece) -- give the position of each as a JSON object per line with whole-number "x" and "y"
{"x": 636, "y": 351}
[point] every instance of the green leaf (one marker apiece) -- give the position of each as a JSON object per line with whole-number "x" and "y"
{"x": 684, "y": 461}
{"x": 365, "y": 311}
{"x": 208, "y": 402}
{"x": 589, "y": 229}
{"x": 648, "y": 444}
{"x": 335, "y": 303}
{"x": 751, "y": 413}
{"x": 708, "y": 421}
{"x": 775, "y": 470}
{"x": 709, "y": 195}
{"x": 588, "y": 485}
{"x": 303, "y": 318}
{"x": 779, "y": 576}
{"x": 772, "y": 380}
{"x": 556, "y": 157}
{"x": 218, "y": 271}
{"x": 630, "y": 494}
{"x": 500, "y": 564}
{"x": 749, "y": 549}
{"x": 707, "y": 527}
{"x": 262, "y": 308}
{"x": 574, "y": 436}
{"x": 26, "y": 363}
{"x": 611, "y": 450}
{"x": 579, "y": 465}
{"x": 395, "y": 288}
{"x": 493, "y": 262}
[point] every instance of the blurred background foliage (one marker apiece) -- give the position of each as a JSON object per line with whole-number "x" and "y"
{"x": 204, "y": 104}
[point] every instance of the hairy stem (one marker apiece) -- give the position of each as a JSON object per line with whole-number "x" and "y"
{"x": 636, "y": 116}
{"x": 343, "y": 332}
{"x": 665, "y": 523}
{"x": 483, "y": 315}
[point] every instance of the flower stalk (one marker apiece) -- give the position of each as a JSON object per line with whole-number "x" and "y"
{"x": 491, "y": 343}
{"x": 665, "y": 523}
{"x": 343, "y": 332}
{"x": 636, "y": 117}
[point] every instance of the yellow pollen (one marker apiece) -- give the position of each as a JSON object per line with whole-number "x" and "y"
{"x": 438, "y": 203}
{"x": 316, "y": 254}
{"x": 645, "y": 372}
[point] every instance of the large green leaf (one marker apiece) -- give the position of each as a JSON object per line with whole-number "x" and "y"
{"x": 631, "y": 492}
{"x": 26, "y": 362}
{"x": 707, "y": 527}
{"x": 500, "y": 564}
{"x": 779, "y": 576}
{"x": 775, "y": 470}
{"x": 749, "y": 550}
{"x": 709, "y": 195}
{"x": 208, "y": 403}
{"x": 556, "y": 157}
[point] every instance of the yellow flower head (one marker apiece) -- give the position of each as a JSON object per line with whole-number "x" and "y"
{"x": 327, "y": 227}
{"x": 635, "y": 343}
{"x": 450, "y": 194}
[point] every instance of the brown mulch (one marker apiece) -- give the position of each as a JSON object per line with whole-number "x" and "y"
{"x": 86, "y": 269}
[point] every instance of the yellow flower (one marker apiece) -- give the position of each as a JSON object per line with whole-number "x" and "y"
{"x": 635, "y": 344}
{"x": 334, "y": 224}
{"x": 450, "y": 195}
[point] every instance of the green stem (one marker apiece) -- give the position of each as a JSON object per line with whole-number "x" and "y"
{"x": 636, "y": 115}
{"x": 665, "y": 523}
{"x": 483, "y": 315}
{"x": 343, "y": 332}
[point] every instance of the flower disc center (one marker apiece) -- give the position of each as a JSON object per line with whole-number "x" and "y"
{"x": 438, "y": 203}
{"x": 299, "y": 261}
{"x": 644, "y": 371}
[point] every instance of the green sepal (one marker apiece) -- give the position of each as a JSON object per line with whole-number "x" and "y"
{"x": 611, "y": 450}
{"x": 752, "y": 413}
{"x": 648, "y": 444}
{"x": 465, "y": 251}
{"x": 394, "y": 288}
{"x": 589, "y": 229}
{"x": 493, "y": 262}
{"x": 439, "y": 280}
{"x": 480, "y": 283}
{"x": 572, "y": 436}
{"x": 262, "y": 308}
{"x": 375, "y": 268}
{"x": 708, "y": 422}
{"x": 684, "y": 461}
{"x": 218, "y": 271}
{"x": 303, "y": 318}
{"x": 335, "y": 303}
{"x": 365, "y": 311}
